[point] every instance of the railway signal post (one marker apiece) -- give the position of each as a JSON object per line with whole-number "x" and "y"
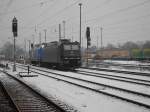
{"x": 15, "y": 31}
{"x": 88, "y": 41}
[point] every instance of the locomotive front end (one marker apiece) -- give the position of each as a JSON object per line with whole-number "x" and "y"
{"x": 71, "y": 54}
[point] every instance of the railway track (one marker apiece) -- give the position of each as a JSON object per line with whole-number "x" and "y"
{"x": 119, "y": 71}
{"x": 134, "y": 97}
{"x": 25, "y": 98}
{"x": 115, "y": 77}
{"x": 6, "y": 104}
{"x": 139, "y": 66}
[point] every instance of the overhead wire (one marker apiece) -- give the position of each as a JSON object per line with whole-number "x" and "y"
{"x": 91, "y": 10}
{"x": 129, "y": 20}
{"x": 57, "y": 12}
{"x": 31, "y": 22}
{"x": 24, "y": 8}
{"x": 132, "y": 27}
{"x": 109, "y": 14}
{"x": 60, "y": 11}
{"x": 42, "y": 13}
{"x": 119, "y": 11}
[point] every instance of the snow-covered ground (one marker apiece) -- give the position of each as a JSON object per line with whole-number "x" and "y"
{"x": 137, "y": 65}
{"x": 127, "y": 62}
{"x": 81, "y": 99}
{"x": 140, "y": 77}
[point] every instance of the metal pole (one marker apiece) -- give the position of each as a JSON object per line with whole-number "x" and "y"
{"x": 80, "y": 4}
{"x": 64, "y": 23}
{"x": 35, "y": 33}
{"x": 29, "y": 50}
{"x": 87, "y": 54}
{"x": 101, "y": 41}
{"x": 40, "y": 48}
{"x": 14, "y": 67}
{"x": 97, "y": 42}
{"x": 40, "y": 38}
{"x": 25, "y": 52}
{"x": 59, "y": 32}
{"x": 101, "y": 38}
{"x": 72, "y": 33}
{"x": 45, "y": 34}
{"x": 33, "y": 39}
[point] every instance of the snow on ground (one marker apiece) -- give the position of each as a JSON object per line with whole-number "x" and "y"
{"x": 138, "y": 65}
{"x": 130, "y": 86}
{"x": 141, "y": 70}
{"x": 118, "y": 74}
{"x": 127, "y": 62}
{"x": 82, "y": 99}
{"x": 124, "y": 85}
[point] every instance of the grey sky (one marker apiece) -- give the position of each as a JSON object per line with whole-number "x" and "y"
{"x": 122, "y": 20}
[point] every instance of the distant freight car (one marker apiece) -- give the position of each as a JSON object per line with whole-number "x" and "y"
{"x": 62, "y": 54}
{"x": 140, "y": 54}
{"x": 146, "y": 53}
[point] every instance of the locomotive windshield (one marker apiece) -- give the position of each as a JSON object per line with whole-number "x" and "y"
{"x": 75, "y": 47}
{"x": 67, "y": 47}
{"x": 71, "y": 47}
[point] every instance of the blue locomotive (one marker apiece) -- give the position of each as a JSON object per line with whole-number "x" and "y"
{"x": 57, "y": 54}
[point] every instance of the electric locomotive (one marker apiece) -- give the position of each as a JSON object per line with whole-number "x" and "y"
{"x": 57, "y": 54}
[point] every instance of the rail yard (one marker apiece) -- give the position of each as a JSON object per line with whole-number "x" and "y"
{"x": 74, "y": 56}
{"x": 127, "y": 89}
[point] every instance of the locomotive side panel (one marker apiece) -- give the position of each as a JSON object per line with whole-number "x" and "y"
{"x": 51, "y": 54}
{"x": 34, "y": 55}
{"x": 62, "y": 54}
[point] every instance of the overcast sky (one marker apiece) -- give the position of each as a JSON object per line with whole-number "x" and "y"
{"x": 121, "y": 20}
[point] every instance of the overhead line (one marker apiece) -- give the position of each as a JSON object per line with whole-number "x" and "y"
{"x": 23, "y": 8}
{"x": 43, "y": 12}
{"x": 120, "y": 10}
{"x": 89, "y": 11}
{"x": 125, "y": 32}
{"x": 128, "y": 20}
{"x": 58, "y": 12}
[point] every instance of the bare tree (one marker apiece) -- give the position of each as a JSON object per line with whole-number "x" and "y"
{"x": 7, "y": 50}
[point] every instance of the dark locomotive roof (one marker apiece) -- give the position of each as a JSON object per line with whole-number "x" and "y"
{"x": 61, "y": 41}
{"x": 65, "y": 40}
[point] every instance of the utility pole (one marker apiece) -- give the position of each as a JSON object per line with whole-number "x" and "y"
{"x": 64, "y": 23}
{"x": 33, "y": 39}
{"x": 59, "y": 32}
{"x": 15, "y": 31}
{"x": 25, "y": 51}
{"x": 97, "y": 42}
{"x": 14, "y": 67}
{"x": 35, "y": 33}
{"x": 40, "y": 38}
{"x": 72, "y": 33}
{"x": 80, "y": 4}
{"x": 101, "y": 41}
{"x": 29, "y": 50}
{"x": 39, "y": 53}
{"x": 101, "y": 38}
{"x": 45, "y": 34}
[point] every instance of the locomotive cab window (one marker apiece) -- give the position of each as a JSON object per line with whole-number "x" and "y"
{"x": 67, "y": 47}
{"x": 75, "y": 47}
{"x": 71, "y": 47}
